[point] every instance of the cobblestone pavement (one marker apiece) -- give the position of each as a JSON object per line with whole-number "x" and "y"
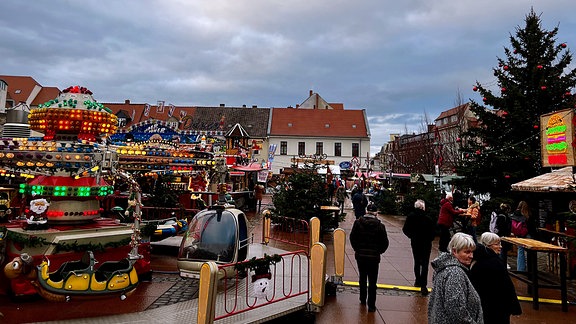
{"x": 183, "y": 289}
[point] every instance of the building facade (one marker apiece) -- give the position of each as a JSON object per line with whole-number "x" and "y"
{"x": 318, "y": 128}
{"x": 436, "y": 151}
{"x": 276, "y": 135}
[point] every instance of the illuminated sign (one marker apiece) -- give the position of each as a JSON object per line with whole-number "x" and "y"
{"x": 557, "y": 135}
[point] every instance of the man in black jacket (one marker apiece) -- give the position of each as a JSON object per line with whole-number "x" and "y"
{"x": 369, "y": 240}
{"x": 421, "y": 229}
{"x": 359, "y": 203}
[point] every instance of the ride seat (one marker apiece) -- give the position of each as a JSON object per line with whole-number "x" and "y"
{"x": 85, "y": 264}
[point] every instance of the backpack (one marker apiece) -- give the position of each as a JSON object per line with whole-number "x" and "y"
{"x": 519, "y": 228}
{"x": 493, "y": 218}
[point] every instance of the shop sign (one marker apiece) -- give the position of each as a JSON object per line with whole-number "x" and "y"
{"x": 345, "y": 165}
{"x": 557, "y": 135}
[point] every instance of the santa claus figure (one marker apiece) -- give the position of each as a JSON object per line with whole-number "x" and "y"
{"x": 197, "y": 181}
{"x": 37, "y": 212}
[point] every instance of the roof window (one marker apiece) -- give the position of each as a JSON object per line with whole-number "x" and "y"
{"x": 289, "y": 124}
{"x": 17, "y": 91}
{"x": 353, "y": 125}
{"x": 327, "y": 125}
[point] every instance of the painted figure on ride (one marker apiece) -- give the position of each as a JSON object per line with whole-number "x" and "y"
{"x": 220, "y": 172}
{"x": 197, "y": 181}
{"x": 36, "y": 217}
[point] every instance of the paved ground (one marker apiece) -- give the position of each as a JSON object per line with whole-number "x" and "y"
{"x": 393, "y": 305}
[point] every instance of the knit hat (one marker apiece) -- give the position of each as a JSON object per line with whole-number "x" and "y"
{"x": 372, "y": 207}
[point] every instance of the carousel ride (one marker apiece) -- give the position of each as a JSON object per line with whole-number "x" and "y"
{"x": 67, "y": 173}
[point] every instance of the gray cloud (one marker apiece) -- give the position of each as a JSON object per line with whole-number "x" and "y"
{"x": 399, "y": 61}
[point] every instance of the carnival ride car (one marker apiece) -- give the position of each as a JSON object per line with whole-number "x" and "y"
{"x": 167, "y": 228}
{"x": 216, "y": 234}
{"x": 76, "y": 278}
{"x": 71, "y": 168}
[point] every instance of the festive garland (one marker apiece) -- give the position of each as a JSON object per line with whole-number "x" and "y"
{"x": 34, "y": 241}
{"x": 259, "y": 266}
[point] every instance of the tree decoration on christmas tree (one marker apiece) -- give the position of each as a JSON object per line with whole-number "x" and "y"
{"x": 536, "y": 75}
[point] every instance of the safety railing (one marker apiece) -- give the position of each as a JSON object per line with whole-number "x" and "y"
{"x": 286, "y": 232}
{"x": 295, "y": 282}
{"x": 288, "y": 279}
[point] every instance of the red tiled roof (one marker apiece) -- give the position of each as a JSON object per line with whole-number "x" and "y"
{"x": 318, "y": 122}
{"x": 452, "y": 111}
{"x": 46, "y": 94}
{"x": 253, "y": 120}
{"x": 19, "y": 87}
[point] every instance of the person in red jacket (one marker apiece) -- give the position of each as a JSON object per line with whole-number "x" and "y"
{"x": 446, "y": 220}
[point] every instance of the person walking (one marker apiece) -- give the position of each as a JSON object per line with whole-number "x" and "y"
{"x": 369, "y": 240}
{"x": 259, "y": 195}
{"x": 446, "y": 220}
{"x": 491, "y": 280}
{"x": 504, "y": 228}
{"x": 474, "y": 212}
{"x": 359, "y": 203}
{"x": 453, "y": 298}
{"x": 522, "y": 214}
{"x": 341, "y": 196}
{"x": 420, "y": 229}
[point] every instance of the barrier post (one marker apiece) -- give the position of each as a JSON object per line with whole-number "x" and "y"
{"x": 207, "y": 293}
{"x": 317, "y": 274}
{"x": 339, "y": 255}
{"x": 266, "y": 223}
{"x": 314, "y": 230}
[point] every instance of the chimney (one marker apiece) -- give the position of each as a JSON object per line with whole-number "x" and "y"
{"x": 311, "y": 93}
{"x": 127, "y": 101}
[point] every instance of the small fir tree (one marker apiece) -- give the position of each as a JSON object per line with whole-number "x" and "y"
{"x": 301, "y": 194}
{"x": 533, "y": 79}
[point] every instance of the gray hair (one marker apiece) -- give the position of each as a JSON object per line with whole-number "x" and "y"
{"x": 420, "y": 204}
{"x": 489, "y": 238}
{"x": 461, "y": 241}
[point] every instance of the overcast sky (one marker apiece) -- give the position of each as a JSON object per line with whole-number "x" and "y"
{"x": 402, "y": 61}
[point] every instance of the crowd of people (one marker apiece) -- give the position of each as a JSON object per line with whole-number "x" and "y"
{"x": 470, "y": 281}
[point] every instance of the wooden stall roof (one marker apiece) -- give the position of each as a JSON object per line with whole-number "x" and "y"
{"x": 561, "y": 180}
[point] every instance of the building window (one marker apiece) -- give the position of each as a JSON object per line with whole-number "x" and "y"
{"x": 301, "y": 148}
{"x": 337, "y": 149}
{"x": 319, "y": 148}
{"x": 355, "y": 149}
{"x": 283, "y": 148}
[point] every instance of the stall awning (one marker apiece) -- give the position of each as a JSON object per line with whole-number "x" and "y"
{"x": 248, "y": 168}
{"x": 561, "y": 180}
{"x": 334, "y": 169}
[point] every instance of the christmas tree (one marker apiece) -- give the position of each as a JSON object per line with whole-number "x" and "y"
{"x": 301, "y": 194}
{"x": 533, "y": 79}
